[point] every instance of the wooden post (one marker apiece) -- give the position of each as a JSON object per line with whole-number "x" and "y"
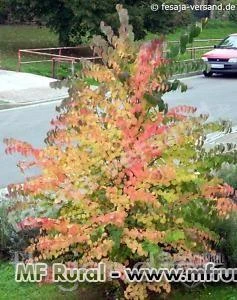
{"x": 53, "y": 67}
{"x": 73, "y": 67}
{"x": 19, "y": 61}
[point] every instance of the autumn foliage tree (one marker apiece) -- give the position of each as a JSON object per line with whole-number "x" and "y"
{"x": 126, "y": 178}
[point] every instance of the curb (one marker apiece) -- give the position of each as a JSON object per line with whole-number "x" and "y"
{"x": 191, "y": 74}
{"x": 9, "y": 105}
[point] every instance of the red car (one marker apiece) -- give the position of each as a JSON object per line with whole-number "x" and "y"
{"x": 223, "y": 59}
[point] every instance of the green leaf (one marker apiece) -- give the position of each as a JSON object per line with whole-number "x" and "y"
{"x": 152, "y": 100}
{"x": 156, "y": 100}
{"x": 151, "y": 248}
{"x": 97, "y": 234}
{"x": 91, "y": 81}
{"x": 174, "y": 236}
{"x": 175, "y": 84}
{"x": 115, "y": 234}
{"x": 183, "y": 87}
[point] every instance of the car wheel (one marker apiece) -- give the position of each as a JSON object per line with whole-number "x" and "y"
{"x": 207, "y": 74}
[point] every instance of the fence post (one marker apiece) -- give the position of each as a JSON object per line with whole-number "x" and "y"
{"x": 19, "y": 61}
{"x": 53, "y": 68}
{"x": 73, "y": 67}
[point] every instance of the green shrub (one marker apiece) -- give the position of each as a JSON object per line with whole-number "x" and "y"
{"x": 163, "y": 22}
{"x": 233, "y": 15}
{"x": 227, "y": 229}
{"x": 228, "y": 173}
{"x": 3, "y": 13}
{"x": 12, "y": 240}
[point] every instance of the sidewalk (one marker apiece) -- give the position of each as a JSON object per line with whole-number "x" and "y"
{"x": 24, "y": 88}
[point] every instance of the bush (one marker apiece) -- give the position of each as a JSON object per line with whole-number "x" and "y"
{"x": 6, "y": 231}
{"x": 233, "y": 14}
{"x": 13, "y": 241}
{"x": 127, "y": 178}
{"x": 228, "y": 173}
{"x": 3, "y": 13}
{"x": 228, "y": 243}
{"x": 163, "y": 22}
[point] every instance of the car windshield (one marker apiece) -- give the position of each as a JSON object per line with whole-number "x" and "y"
{"x": 229, "y": 42}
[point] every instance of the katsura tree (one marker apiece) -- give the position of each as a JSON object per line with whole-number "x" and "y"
{"x": 124, "y": 179}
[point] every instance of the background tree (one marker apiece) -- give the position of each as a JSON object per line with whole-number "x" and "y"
{"x": 76, "y": 19}
{"x": 4, "y": 12}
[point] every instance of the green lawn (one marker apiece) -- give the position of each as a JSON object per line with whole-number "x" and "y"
{"x": 207, "y": 292}
{"x": 215, "y": 29}
{"x": 17, "y": 37}
{"x": 9, "y": 289}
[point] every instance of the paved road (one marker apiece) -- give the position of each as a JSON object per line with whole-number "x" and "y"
{"x": 217, "y": 96}
{"x": 29, "y": 124}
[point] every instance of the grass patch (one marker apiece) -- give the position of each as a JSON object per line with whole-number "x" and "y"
{"x": 208, "y": 292}
{"x": 13, "y": 38}
{"x": 9, "y": 289}
{"x": 215, "y": 29}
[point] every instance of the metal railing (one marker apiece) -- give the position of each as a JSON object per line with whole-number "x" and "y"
{"x": 74, "y": 55}
{"x": 195, "y": 52}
